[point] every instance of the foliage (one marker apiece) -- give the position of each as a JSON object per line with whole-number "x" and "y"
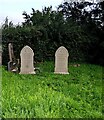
{"x": 48, "y": 95}
{"x": 90, "y": 17}
{"x": 71, "y": 25}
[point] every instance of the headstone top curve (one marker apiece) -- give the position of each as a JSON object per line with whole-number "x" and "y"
{"x": 26, "y": 48}
{"x": 60, "y": 50}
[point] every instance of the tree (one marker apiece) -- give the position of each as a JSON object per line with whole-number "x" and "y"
{"x": 71, "y": 25}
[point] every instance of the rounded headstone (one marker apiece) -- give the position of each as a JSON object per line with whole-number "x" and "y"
{"x": 27, "y": 66}
{"x": 61, "y": 61}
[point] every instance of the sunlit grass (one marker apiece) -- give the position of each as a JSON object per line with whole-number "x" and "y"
{"x": 49, "y": 95}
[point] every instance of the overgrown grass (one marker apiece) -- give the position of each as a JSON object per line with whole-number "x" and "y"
{"x": 49, "y": 95}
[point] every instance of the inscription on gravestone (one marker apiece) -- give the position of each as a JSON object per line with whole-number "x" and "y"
{"x": 27, "y": 66}
{"x": 61, "y": 61}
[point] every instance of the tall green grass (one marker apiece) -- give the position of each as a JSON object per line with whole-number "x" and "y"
{"x": 49, "y": 95}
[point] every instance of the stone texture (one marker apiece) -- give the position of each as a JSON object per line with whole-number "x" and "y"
{"x": 11, "y": 53}
{"x": 61, "y": 61}
{"x": 27, "y": 66}
{"x": 13, "y": 63}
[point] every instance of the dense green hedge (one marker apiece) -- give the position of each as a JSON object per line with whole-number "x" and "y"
{"x": 45, "y": 31}
{"x": 44, "y": 46}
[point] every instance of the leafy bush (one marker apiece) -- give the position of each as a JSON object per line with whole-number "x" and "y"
{"x": 69, "y": 26}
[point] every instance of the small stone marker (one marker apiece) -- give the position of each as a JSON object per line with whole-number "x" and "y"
{"x": 27, "y": 66}
{"x": 61, "y": 61}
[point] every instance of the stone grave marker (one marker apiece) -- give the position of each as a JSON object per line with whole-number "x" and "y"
{"x": 12, "y": 64}
{"x": 27, "y": 66}
{"x": 61, "y": 61}
{"x": 11, "y": 53}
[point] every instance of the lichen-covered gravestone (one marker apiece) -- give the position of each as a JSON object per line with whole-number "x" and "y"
{"x": 27, "y": 66}
{"x": 61, "y": 61}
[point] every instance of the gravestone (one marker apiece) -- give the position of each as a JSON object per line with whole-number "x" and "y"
{"x": 12, "y": 64}
{"x": 27, "y": 66}
{"x": 11, "y": 53}
{"x": 61, "y": 61}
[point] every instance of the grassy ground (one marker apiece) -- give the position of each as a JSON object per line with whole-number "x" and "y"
{"x": 49, "y": 95}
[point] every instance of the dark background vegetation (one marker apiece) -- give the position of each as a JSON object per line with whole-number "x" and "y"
{"x": 71, "y": 25}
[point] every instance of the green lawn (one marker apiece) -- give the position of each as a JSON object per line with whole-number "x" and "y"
{"x": 49, "y": 95}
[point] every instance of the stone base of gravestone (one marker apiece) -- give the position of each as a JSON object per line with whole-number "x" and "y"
{"x": 61, "y": 72}
{"x": 27, "y": 72}
{"x": 12, "y": 66}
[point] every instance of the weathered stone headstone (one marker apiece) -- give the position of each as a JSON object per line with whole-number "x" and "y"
{"x": 11, "y": 54}
{"x": 12, "y": 64}
{"x": 27, "y": 66}
{"x": 61, "y": 61}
